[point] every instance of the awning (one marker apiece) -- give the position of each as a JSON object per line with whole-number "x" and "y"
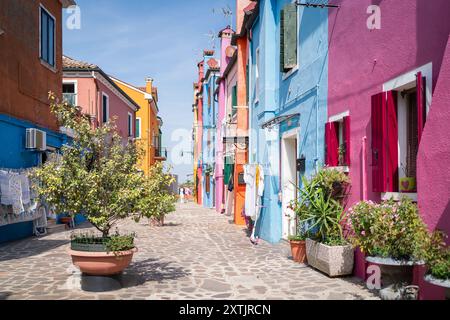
{"x": 278, "y": 120}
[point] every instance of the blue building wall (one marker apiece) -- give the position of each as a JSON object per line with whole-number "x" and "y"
{"x": 15, "y": 156}
{"x": 303, "y": 91}
{"x": 210, "y": 113}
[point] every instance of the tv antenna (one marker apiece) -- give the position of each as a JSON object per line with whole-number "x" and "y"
{"x": 227, "y": 12}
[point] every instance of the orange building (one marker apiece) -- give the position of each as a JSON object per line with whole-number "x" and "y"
{"x": 148, "y": 124}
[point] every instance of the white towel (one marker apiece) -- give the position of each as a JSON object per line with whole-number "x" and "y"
{"x": 15, "y": 189}
{"x": 6, "y": 198}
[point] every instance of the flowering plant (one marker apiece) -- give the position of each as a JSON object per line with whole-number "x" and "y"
{"x": 390, "y": 229}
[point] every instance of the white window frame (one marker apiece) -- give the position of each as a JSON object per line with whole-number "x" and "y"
{"x": 130, "y": 125}
{"x": 339, "y": 118}
{"x": 75, "y": 84}
{"x": 288, "y": 74}
{"x": 43, "y": 62}
{"x": 404, "y": 81}
{"x": 139, "y": 132}
{"x": 107, "y": 107}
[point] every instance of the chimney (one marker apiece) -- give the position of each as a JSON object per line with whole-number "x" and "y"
{"x": 148, "y": 85}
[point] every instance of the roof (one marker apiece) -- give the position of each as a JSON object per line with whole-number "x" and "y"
{"x": 68, "y": 3}
{"x": 251, "y": 12}
{"x": 72, "y": 65}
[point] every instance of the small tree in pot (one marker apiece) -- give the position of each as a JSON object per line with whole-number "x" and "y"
{"x": 320, "y": 209}
{"x": 97, "y": 176}
{"x": 157, "y": 200}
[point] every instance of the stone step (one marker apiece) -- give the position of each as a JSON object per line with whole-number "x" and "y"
{"x": 52, "y": 229}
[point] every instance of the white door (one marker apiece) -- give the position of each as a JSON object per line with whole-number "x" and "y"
{"x": 289, "y": 182}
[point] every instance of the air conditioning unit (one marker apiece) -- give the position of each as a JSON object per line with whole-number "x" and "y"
{"x": 36, "y": 139}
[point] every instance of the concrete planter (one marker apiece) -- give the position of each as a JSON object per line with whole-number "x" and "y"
{"x": 334, "y": 261}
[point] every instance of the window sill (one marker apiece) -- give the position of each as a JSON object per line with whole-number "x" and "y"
{"x": 397, "y": 196}
{"x": 48, "y": 66}
{"x": 344, "y": 169}
{"x": 288, "y": 74}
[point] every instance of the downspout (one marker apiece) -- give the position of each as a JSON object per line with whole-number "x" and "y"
{"x": 364, "y": 168}
{"x": 97, "y": 111}
{"x": 317, "y": 129}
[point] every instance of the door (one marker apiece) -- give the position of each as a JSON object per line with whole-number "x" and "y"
{"x": 289, "y": 182}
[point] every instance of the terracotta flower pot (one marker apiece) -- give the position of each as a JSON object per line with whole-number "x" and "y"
{"x": 298, "y": 249}
{"x": 102, "y": 263}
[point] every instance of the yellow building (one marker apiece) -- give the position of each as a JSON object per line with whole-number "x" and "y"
{"x": 148, "y": 124}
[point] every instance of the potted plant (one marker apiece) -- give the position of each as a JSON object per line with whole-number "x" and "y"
{"x": 97, "y": 176}
{"x": 157, "y": 200}
{"x": 408, "y": 183}
{"x": 298, "y": 248}
{"x": 321, "y": 212}
{"x": 437, "y": 258}
{"x": 392, "y": 235}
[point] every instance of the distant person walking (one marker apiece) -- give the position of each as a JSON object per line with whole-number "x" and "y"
{"x": 182, "y": 195}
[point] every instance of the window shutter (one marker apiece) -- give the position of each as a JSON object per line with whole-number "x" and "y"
{"x": 234, "y": 101}
{"x": 421, "y": 104}
{"x": 392, "y": 140}
{"x": 385, "y": 170}
{"x": 347, "y": 138}
{"x": 290, "y": 36}
{"x": 332, "y": 144}
{"x": 378, "y": 152}
{"x": 207, "y": 183}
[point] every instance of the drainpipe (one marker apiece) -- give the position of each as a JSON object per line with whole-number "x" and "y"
{"x": 97, "y": 99}
{"x": 364, "y": 168}
{"x": 317, "y": 129}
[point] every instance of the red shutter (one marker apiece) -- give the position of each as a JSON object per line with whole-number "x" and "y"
{"x": 392, "y": 140}
{"x": 332, "y": 141}
{"x": 385, "y": 169}
{"x": 421, "y": 104}
{"x": 347, "y": 140}
{"x": 378, "y": 134}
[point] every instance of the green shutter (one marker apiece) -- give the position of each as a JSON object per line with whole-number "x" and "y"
{"x": 289, "y": 14}
{"x": 282, "y": 41}
{"x": 234, "y": 101}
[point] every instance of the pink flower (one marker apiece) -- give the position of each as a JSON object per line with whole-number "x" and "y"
{"x": 363, "y": 233}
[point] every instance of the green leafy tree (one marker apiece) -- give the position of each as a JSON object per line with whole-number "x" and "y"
{"x": 157, "y": 200}
{"x": 97, "y": 175}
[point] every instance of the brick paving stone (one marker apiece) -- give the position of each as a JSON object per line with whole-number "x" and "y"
{"x": 199, "y": 254}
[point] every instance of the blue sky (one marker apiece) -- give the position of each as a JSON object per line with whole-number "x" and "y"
{"x": 135, "y": 39}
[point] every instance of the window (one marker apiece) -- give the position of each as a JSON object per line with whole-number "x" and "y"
{"x": 70, "y": 93}
{"x": 130, "y": 124}
{"x": 105, "y": 108}
{"x": 47, "y": 37}
{"x": 398, "y": 119}
{"x": 288, "y": 37}
{"x": 138, "y": 128}
{"x": 337, "y": 139}
{"x": 257, "y": 76}
{"x": 233, "y": 101}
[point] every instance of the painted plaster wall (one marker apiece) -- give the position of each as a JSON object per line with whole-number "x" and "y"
{"x": 15, "y": 156}
{"x": 25, "y": 82}
{"x": 281, "y": 95}
{"x": 412, "y": 34}
{"x": 221, "y": 106}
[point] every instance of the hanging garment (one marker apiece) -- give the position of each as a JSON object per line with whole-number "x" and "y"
{"x": 259, "y": 182}
{"x": 5, "y": 198}
{"x": 26, "y": 194}
{"x": 250, "y": 191}
{"x": 15, "y": 189}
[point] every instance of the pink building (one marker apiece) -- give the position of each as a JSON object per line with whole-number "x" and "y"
{"x": 389, "y": 80}
{"x": 225, "y": 57}
{"x": 87, "y": 86}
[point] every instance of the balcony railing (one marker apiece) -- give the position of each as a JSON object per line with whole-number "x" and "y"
{"x": 70, "y": 98}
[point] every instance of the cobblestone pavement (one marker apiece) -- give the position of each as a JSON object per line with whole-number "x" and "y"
{"x": 197, "y": 255}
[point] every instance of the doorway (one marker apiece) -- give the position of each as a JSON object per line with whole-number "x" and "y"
{"x": 289, "y": 181}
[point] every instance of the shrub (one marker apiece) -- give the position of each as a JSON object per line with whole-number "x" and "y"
{"x": 390, "y": 229}
{"x": 437, "y": 256}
